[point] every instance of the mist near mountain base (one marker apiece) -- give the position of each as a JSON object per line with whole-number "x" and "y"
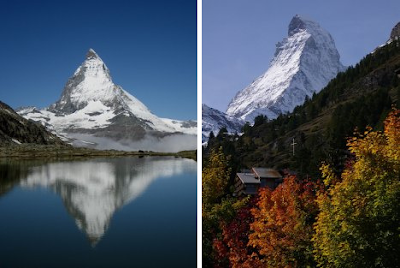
{"x": 172, "y": 143}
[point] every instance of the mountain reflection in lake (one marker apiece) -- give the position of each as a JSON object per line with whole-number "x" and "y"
{"x": 155, "y": 225}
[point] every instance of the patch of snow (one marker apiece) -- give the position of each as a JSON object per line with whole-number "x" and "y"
{"x": 16, "y": 141}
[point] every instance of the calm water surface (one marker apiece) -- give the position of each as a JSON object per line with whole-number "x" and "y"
{"x": 117, "y": 212}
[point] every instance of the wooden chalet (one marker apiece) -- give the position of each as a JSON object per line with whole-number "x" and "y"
{"x": 249, "y": 182}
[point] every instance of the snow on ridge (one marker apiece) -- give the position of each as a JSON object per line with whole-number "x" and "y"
{"x": 91, "y": 101}
{"x": 93, "y": 115}
{"x": 304, "y": 63}
{"x": 91, "y": 81}
{"x": 213, "y": 120}
{"x": 187, "y": 127}
{"x": 97, "y": 86}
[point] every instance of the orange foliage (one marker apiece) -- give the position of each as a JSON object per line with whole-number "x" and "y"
{"x": 282, "y": 227}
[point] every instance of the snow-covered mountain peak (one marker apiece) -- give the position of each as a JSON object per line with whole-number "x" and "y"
{"x": 322, "y": 38}
{"x": 93, "y": 66}
{"x": 90, "y": 82}
{"x": 91, "y": 54}
{"x": 304, "y": 62}
{"x": 93, "y": 111}
{"x": 301, "y": 23}
{"x": 298, "y": 24}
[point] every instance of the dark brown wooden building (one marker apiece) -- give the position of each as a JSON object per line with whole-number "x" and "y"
{"x": 249, "y": 182}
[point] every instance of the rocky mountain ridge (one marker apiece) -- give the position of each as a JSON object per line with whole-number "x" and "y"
{"x": 15, "y": 130}
{"x": 303, "y": 64}
{"x": 213, "y": 120}
{"x": 95, "y": 112}
{"x": 395, "y": 33}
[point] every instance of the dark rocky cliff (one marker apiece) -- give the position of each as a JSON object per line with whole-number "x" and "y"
{"x": 14, "y": 129}
{"x": 395, "y": 33}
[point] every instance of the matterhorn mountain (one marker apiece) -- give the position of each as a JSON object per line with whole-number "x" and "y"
{"x": 303, "y": 63}
{"x": 95, "y": 112}
{"x": 213, "y": 120}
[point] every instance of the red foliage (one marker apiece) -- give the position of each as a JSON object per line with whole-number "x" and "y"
{"x": 232, "y": 247}
{"x": 282, "y": 227}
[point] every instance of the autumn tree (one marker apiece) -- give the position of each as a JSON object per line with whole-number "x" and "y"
{"x": 215, "y": 177}
{"x": 359, "y": 220}
{"x": 231, "y": 247}
{"x": 215, "y": 219}
{"x": 216, "y": 209}
{"x": 283, "y": 224}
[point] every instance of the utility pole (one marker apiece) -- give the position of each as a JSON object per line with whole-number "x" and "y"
{"x": 293, "y": 144}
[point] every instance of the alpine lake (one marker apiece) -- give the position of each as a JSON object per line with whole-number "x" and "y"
{"x": 98, "y": 212}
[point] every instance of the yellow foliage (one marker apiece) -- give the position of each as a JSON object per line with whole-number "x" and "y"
{"x": 359, "y": 220}
{"x": 215, "y": 177}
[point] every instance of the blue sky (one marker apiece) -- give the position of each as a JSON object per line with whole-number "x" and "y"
{"x": 239, "y": 36}
{"x": 149, "y": 46}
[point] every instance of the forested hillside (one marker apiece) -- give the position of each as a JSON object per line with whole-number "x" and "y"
{"x": 361, "y": 96}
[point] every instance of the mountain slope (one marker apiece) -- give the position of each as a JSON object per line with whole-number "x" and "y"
{"x": 93, "y": 111}
{"x": 304, "y": 63}
{"x": 213, "y": 120}
{"x": 15, "y": 130}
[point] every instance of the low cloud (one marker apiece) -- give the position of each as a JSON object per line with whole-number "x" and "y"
{"x": 172, "y": 143}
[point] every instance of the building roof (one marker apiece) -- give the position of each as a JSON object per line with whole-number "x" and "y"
{"x": 247, "y": 178}
{"x": 267, "y": 173}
